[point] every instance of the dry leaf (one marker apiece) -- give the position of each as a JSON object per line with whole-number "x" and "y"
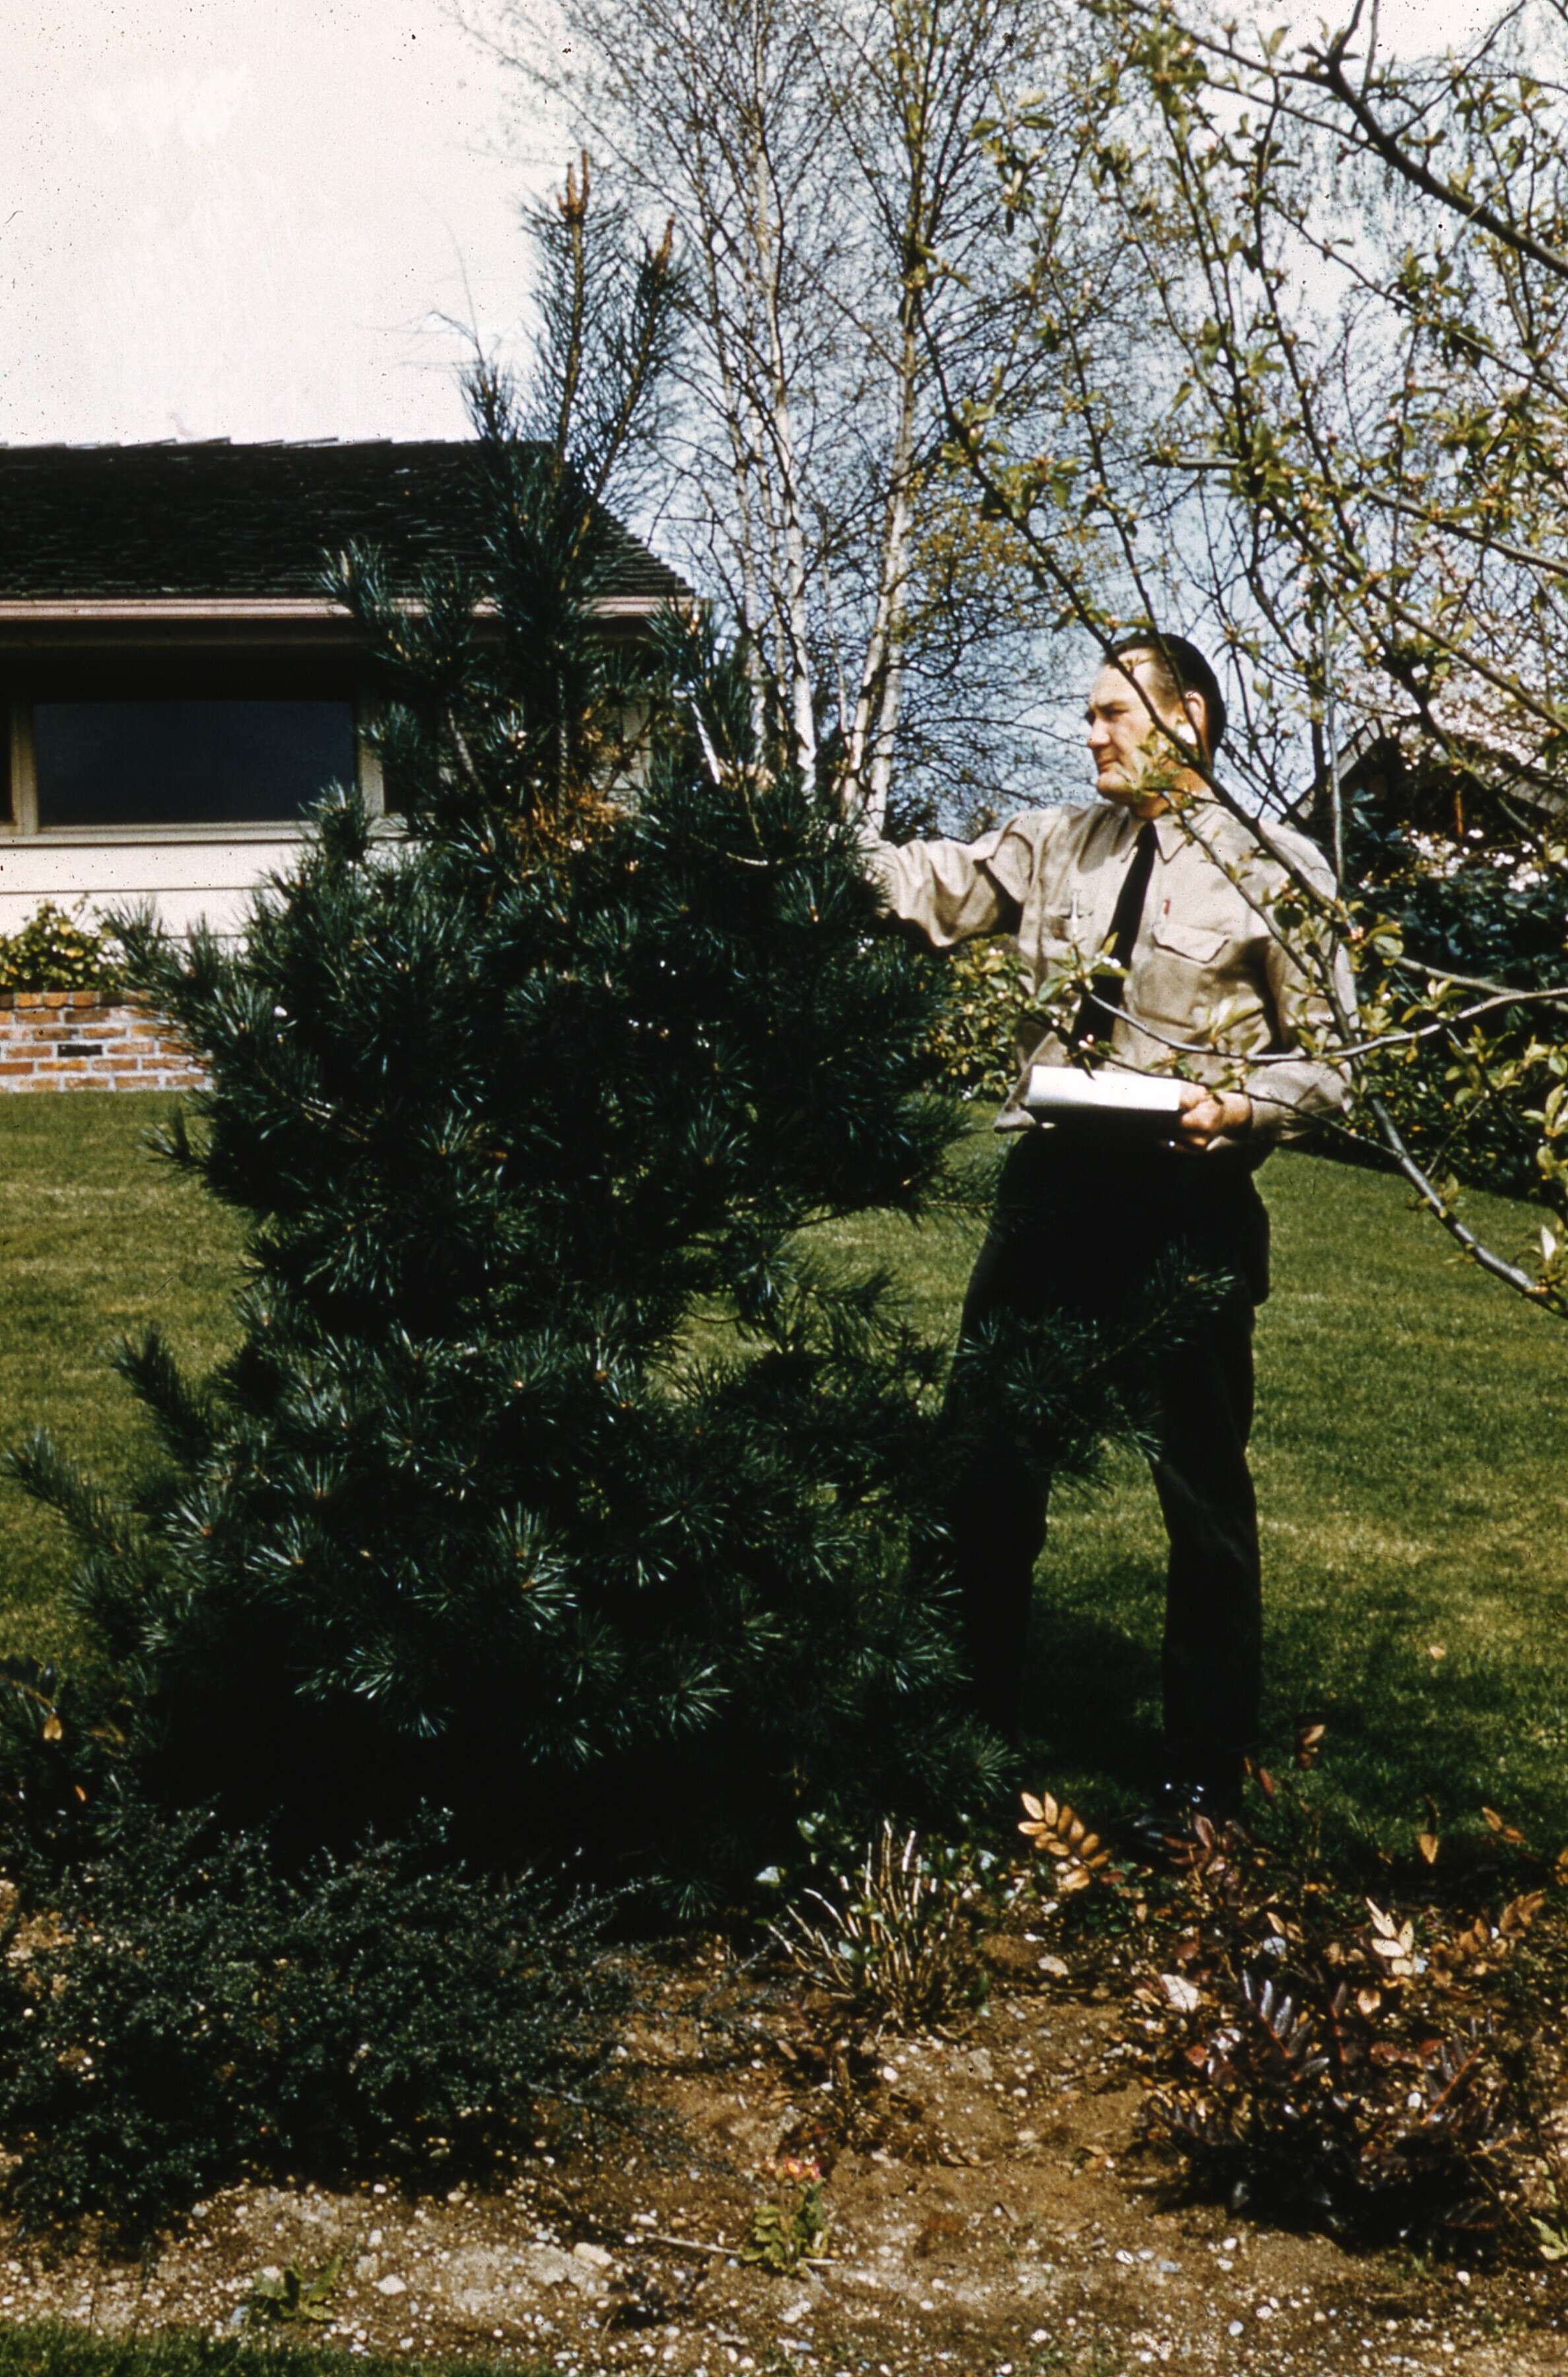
{"x": 1053, "y": 1827}
{"x": 53, "y": 1729}
{"x": 1180, "y": 1993}
{"x": 1395, "y": 1942}
{"x": 1308, "y": 1741}
{"x": 1504, "y": 1832}
{"x": 1427, "y": 1844}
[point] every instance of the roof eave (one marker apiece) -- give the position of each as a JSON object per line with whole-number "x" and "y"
{"x": 176, "y": 610}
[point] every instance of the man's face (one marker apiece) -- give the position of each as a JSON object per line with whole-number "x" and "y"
{"x": 1134, "y": 762}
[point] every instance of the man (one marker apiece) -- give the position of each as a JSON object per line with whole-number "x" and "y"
{"x": 1175, "y": 902}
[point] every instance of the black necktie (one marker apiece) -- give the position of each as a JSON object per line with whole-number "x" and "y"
{"x": 1092, "y": 1023}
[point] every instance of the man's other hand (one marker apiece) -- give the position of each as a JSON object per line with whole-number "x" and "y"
{"x": 1205, "y": 1114}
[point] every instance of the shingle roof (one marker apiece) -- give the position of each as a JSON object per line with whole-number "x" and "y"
{"x": 215, "y": 519}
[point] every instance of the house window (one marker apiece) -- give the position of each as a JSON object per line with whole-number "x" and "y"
{"x": 112, "y": 742}
{"x": 137, "y": 763}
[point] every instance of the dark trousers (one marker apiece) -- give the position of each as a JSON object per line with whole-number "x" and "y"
{"x": 1086, "y": 1231}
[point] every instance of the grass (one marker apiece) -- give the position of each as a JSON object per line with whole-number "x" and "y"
{"x": 1414, "y": 1502}
{"x": 1408, "y": 1456}
{"x": 98, "y": 1238}
{"x": 51, "y": 2350}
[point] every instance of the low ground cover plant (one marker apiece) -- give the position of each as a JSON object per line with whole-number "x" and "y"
{"x": 1389, "y": 2066}
{"x": 179, "y": 2013}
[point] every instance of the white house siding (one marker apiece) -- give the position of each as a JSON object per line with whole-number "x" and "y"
{"x": 182, "y": 878}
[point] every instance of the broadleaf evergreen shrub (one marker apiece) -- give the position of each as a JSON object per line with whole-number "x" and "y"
{"x": 56, "y": 951}
{"x": 971, "y": 1042}
{"x": 179, "y": 2013}
{"x": 1496, "y": 915}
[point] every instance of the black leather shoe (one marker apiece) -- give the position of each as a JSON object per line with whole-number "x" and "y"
{"x": 1172, "y": 1815}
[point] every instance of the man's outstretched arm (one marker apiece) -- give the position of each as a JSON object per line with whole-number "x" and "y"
{"x": 956, "y": 890}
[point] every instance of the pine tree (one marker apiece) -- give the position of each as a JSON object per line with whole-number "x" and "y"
{"x": 558, "y": 1475}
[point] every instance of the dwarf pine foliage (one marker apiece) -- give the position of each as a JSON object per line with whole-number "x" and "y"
{"x": 554, "y": 1473}
{"x": 559, "y": 1473}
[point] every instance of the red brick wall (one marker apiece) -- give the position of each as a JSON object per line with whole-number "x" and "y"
{"x": 75, "y": 1040}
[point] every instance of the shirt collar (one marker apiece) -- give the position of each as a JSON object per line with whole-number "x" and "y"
{"x": 1172, "y": 834}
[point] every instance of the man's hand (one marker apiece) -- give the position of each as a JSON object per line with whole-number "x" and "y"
{"x": 1206, "y": 1113}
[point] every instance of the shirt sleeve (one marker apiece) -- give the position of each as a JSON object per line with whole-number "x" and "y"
{"x": 1292, "y": 1093}
{"x": 956, "y": 890}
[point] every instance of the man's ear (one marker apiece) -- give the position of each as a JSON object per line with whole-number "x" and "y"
{"x": 1194, "y": 727}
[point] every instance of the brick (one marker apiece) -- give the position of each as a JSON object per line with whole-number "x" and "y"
{"x": 15, "y": 1065}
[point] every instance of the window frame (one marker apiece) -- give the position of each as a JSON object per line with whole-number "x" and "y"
{"x": 175, "y": 645}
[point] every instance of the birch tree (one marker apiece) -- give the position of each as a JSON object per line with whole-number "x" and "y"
{"x": 832, "y": 205}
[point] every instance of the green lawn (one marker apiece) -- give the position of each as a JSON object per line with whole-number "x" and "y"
{"x": 97, "y": 1239}
{"x": 1410, "y": 1460}
{"x": 1409, "y": 1454}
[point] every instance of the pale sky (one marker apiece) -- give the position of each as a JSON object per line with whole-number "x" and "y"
{"x": 243, "y": 218}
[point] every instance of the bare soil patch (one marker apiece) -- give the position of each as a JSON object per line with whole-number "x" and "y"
{"x": 990, "y": 2212}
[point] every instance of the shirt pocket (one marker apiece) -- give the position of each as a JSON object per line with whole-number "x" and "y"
{"x": 1182, "y": 978}
{"x": 1200, "y": 945}
{"x": 1058, "y": 938}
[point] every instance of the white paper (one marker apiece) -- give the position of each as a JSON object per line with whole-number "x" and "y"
{"x": 1061, "y": 1090}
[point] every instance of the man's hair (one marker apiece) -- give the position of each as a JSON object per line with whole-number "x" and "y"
{"x": 1178, "y": 668}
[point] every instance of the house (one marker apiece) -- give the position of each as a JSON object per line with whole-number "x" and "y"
{"x": 176, "y": 688}
{"x": 1479, "y": 778}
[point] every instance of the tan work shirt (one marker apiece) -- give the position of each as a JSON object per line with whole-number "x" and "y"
{"x": 1212, "y": 992}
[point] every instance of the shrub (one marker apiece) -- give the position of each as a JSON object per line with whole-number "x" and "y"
{"x": 54, "y": 952}
{"x": 178, "y": 2013}
{"x": 970, "y": 1046}
{"x": 1496, "y": 915}
{"x": 1384, "y": 2067}
{"x": 894, "y": 1948}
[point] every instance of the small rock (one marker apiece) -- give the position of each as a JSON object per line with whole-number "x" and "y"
{"x": 594, "y": 2255}
{"x": 1055, "y": 1968}
{"x": 390, "y": 2286}
{"x": 1005, "y": 1953}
